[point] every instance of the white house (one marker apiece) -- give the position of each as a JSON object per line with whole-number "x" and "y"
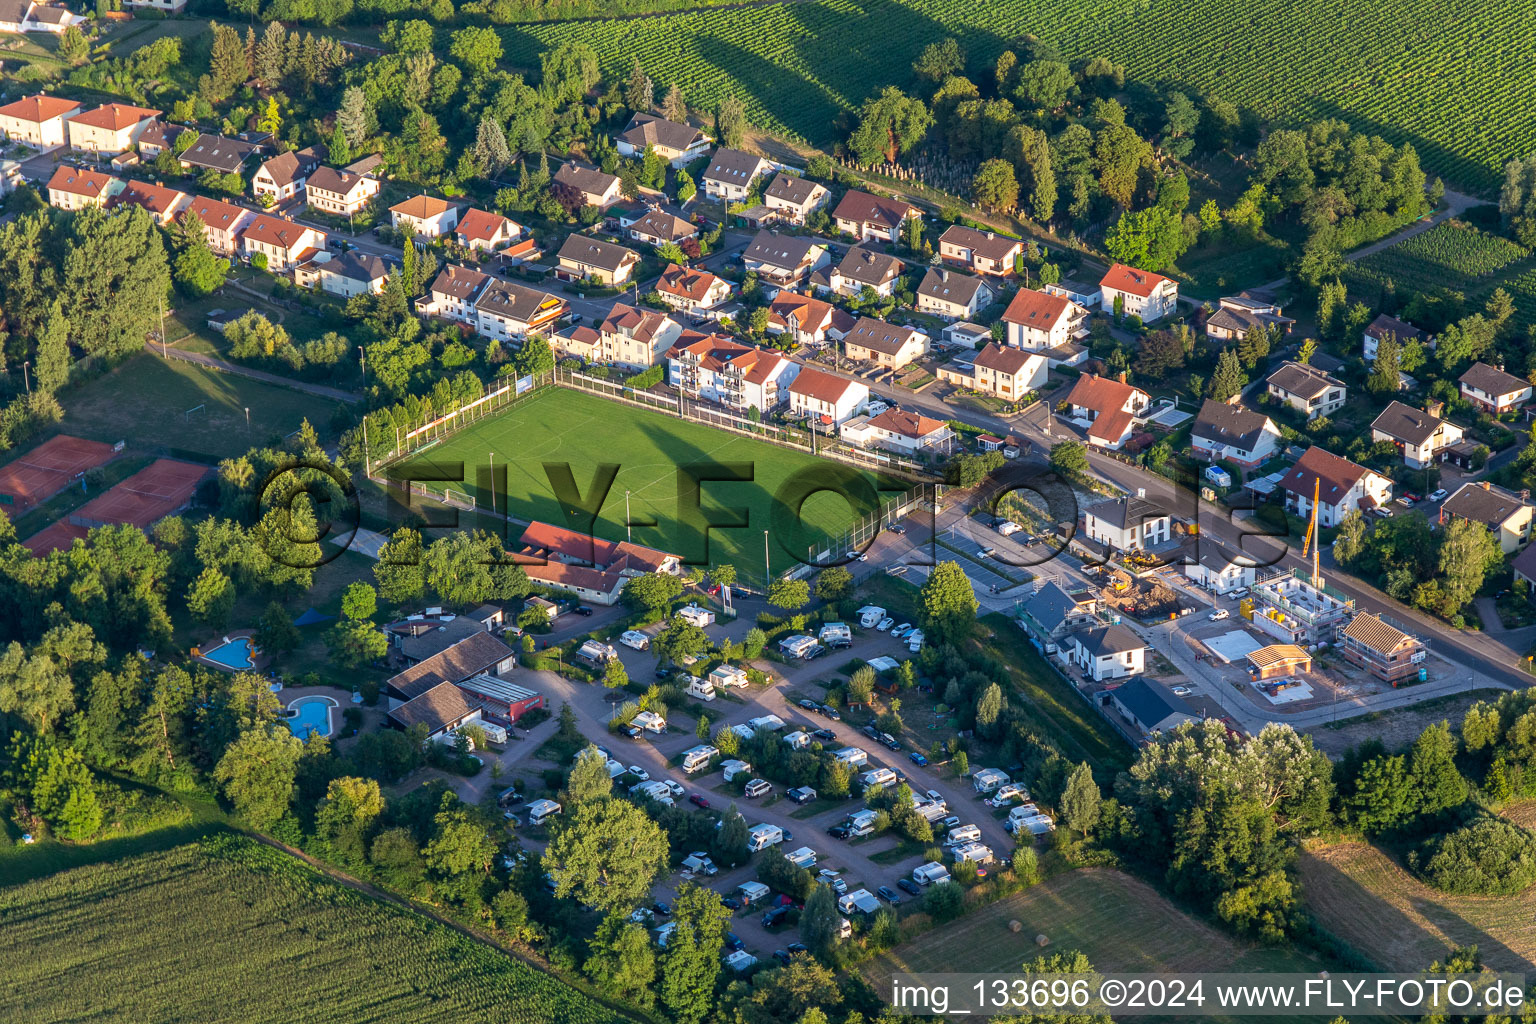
{"x": 784, "y": 260}
{"x": 424, "y": 215}
{"x": 678, "y": 144}
{"x": 1219, "y": 568}
{"x": 1106, "y": 652}
{"x": 1419, "y": 434}
{"x": 732, "y": 173}
{"x": 342, "y": 193}
{"x": 984, "y": 252}
{"x": 481, "y": 229}
{"x": 794, "y": 198}
{"x": 1224, "y": 432}
{"x": 1502, "y": 513}
{"x": 1492, "y": 390}
{"x": 110, "y": 129}
{"x": 1038, "y": 320}
{"x": 899, "y": 431}
{"x": 284, "y": 176}
{"x": 637, "y": 337}
{"x": 595, "y": 187}
{"x": 1008, "y": 372}
{"x": 1107, "y": 408}
{"x": 720, "y": 369}
{"x": 861, "y": 268}
{"x": 690, "y": 290}
{"x": 1307, "y": 388}
{"x": 826, "y": 399}
{"x": 872, "y": 218}
{"x": 1390, "y": 326}
{"x": 884, "y": 344}
{"x": 1139, "y": 292}
{"x": 952, "y": 295}
{"x": 1127, "y": 524}
{"x": 75, "y": 188}
{"x": 1343, "y": 487}
{"x": 355, "y": 273}
{"x": 37, "y": 120}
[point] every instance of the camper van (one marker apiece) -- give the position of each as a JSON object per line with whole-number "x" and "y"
{"x": 757, "y": 788}
{"x": 870, "y": 615}
{"x": 650, "y": 721}
{"x": 852, "y": 756}
{"x": 733, "y": 767}
{"x": 696, "y": 616}
{"x": 540, "y": 811}
{"x": 877, "y": 777}
{"x": 797, "y": 646}
{"x": 697, "y": 758}
{"x": 1008, "y": 527}
{"x": 861, "y": 823}
{"x": 976, "y": 853}
{"x": 727, "y": 677}
{"x": 635, "y": 639}
{"x": 929, "y": 873}
{"x": 962, "y": 835}
{"x": 596, "y": 653}
{"x": 760, "y": 837}
{"x": 493, "y": 732}
{"x": 836, "y": 634}
{"x": 798, "y": 740}
{"x": 700, "y": 864}
{"x": 805, "y": 857}
{"x": 988, "y": 779}
{"x": 703, "y": 689}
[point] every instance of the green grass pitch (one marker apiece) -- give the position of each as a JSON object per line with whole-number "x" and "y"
{"x": 563, "y": 426}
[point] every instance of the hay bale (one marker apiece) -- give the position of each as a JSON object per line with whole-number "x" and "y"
{"x": 1015, "y": 926}
{"x": 1041, "y": 940}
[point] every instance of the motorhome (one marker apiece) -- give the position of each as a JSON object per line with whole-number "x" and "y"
{"x": 697, "y": 758}
{"x": 805, "y": 857}
{"x": 929, "y": 873}
{"x": 703, "y": 689}
{"x": 836, "y": 634}
{"x": 869, "y": 615}
{"x": 766, "y": 723}
{"x": 596, "y": 653}
{"x": 650, "y": 721}
{"x": 635, "y": 639}
{"x": 700, "y": 864}
{"x": 988, "y": 779}
{"x": 852, "y": 756}
{"x": 796, "y": 646}
{"x": 727, "y": 677}
{"x": 877, "y": 777}
{"x": 740, "y": 960}
{"x": 733, "y": 768}
{"x": 760, "y": 837}
{"x": 861, "y": 823}
{"x": 962, "y": 835}
{"x": 976, "y": 853}
{"x": 541, "y": 811}
{"x": 696, "y": 616}
{"x": 861, "y": 900}
{"x": 653, "y": 790}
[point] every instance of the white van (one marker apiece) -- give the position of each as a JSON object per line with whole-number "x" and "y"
{"x": 635, "y": 639}
{"x": 962, "y": 835}
{"x": 541, "y": 811}
{"x": 698, "y": 758}
{"x": 757, "y": 788}
{"x": 760, "y": 837}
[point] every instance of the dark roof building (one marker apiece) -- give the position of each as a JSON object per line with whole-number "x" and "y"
{"x": 1230, "y": 425}
{"x": 216, "y": 153}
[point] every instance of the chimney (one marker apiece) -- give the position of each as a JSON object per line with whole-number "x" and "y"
{"x": 1486, "y": 485}
{"x": 1434, "y": 408}
{"x": 1121, "y": 377}
{"x": 991, "y": 235}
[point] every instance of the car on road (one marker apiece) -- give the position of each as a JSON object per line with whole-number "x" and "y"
{"x": 898, "y": 529}
{"x": 908, "y": 886}
{"x": 582, "y": 609}
{"x": 698, "y": 800}
{"x": 1438, "y": 495}
{"x": 918, "y": 759}
{"x": 1219, "y": 614}
{"x": 808, "y": 704}
{"x": 935, "y": 796}
{"x": 1182, "y": 691}
{"x": 885, "y": 624}
{"x": 902, "y": 630}
{"x": 888, "y": 894}
{"x": 824, "y": 734}
{"x": 986, "y": 552}
{"x": 639, "y": 773}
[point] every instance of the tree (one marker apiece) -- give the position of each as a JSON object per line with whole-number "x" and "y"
{"x": 1384, "y": 371}
{"x": 614, "y": 675}
{"x": 944, "y": 902}
{"x": 833, "y": 583}
{"x": 890, "y": 124}
{"x": 639, "y": 90}
{"x": 1433, "y": 778}
{"x": 53, "y": 359}
{"x": 1070, "y": 459}
{"x": 988, "y": 707}
{"x": 257, "y": 771}
{"x": 74, "y": 47}
{"x": 1120, "y": 155}
{"x": 1467, "y": 553}
{"x": 1161, "y": 353}
{"x": 652, "y": 591}
{"x": 949, "y": 604}
{"x": 1150, "y": 239}
{"x": 589, "y": 779}
{"x": 1349, "y": 539}
{"x": 1229, "y": 380}
{"x": 359, "y": 601}
{"x": 535, "y": 357}
{"x": 459, "y": 844}
{"x": 478, "y": 49}
{"x": 398, "y": 571}
{"x": 607, "y": 855}
{"x": 196, "y": 270}
{"x": 673, "y": 106}
{"x": 730, "y": 121}
{"x": 1382, "y": 801}
{"x": 344, "y": 816}
{"x": 730, "y": 845}
{"x": 994, "y": 186}
{"x": 1044, "y": 84}
{"x": 211, "y": 598}
{"x": 940, "y": 60}
{"x": 691, "y": 962}
{"x": 1307, "y": 351}
{"x": 820, "y": 923}
{"x": 723, "y": 575}
{"x": 271, "y": 120}
{"x": 356, "y": 117}
{"x": 622, "y": 960}
{"x": 491, "y": 151}
{"x": 789, "y": 595}
{"x": 1080, "y": 801}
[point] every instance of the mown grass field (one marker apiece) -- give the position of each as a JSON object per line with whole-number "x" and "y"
{"x": 228, "y": 930}
{"x": 1450, "y": 76}
{"x": 563, "y": 426}
{"x": 1364, "y": 897}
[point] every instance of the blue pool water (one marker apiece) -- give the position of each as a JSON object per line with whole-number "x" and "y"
{"x": 311, "y": 714}
{"x": 235, "y": 654}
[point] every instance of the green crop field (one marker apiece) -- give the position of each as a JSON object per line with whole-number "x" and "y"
{"x": 563, "y": 426}
{"x": 1451, "y": 255}
{"x": 1450, "y": 76}
{"x": 228, "y": 930}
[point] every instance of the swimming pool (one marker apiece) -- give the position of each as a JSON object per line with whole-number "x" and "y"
{"x": 233, "y": 654}
{"x": 310, "y": 715}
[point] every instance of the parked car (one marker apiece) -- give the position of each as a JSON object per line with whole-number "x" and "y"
{"x": 1438, "y": 495}
{"x": 839, "y": 831}
{"x": 918, "y": 759}
{"x": 898, "y": 529}
{"x": 1182, "y": 691}
{"x": 698, "y": 801}
{"x": 906, "y": 885}
{"x": 664, "y": 909}
{"x": 824, "y": 734}
{"x": 952, "y": 821}
{"x": 809, "y": 705}
{"x": 890, "y": 741}
{"x": 733, "y": 941}
{"x": 774, "y": 916}
{"x": 1405, "y": 501}
{"x": 831, "y": 712}
{"x": 782, "y": 956}
{"x": 674, "y": 787}
{"x": 1218, "y": 615}
{"x": 639, "y": 773}
{"x": 582, "y": 609}
{"x": 902, "y": 630}
{"x": 798, "y": 947}
{"x": 731, "y": 903}
{"x": 888, "y": 894}
{"x": 885, "y": 624}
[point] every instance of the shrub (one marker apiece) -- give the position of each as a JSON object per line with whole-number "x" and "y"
{"x": 1489, "y": 856}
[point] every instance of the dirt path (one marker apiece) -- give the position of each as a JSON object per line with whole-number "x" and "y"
{"x": 212, "y": 363}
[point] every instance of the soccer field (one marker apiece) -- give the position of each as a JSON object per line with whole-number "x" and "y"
{"x": 557, "y": 425}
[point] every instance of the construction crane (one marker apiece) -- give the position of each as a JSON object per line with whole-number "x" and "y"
{"x": 1313, "y": 539}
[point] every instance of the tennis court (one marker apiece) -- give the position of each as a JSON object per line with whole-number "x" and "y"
{"x": 163, "y": 487}
{"x": 38, "y": 475}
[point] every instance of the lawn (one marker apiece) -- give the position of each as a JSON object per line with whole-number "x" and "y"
{"x": 228, "y": 930}
{"x": 146, "y": 401}
{"x": 1364, "y": 897}
{"x": 557, "y": 425}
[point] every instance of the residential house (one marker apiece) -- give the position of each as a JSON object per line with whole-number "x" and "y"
{"x": 884, "y": 344}
{"x": 1278, "y": 661}
{"x": 110, "y": 129}
{"x": 217, "y": 153}
{"x": 1132, "y": 523}
{"x": 1083, "y": 293}
{"x": 809, "y": 321}
{"x": 861, "y": 268}
{"x": 1107, "y": 408}
{"x": 1506, "y": 515}
{"x": 1492, "y": 390}
{"x": 1131, "y": 292}
{"x": 481, "y": 229}
{"x": 1385, "y": 326}
{"x": 37, "y": 120}
{"x": 27, "y": 16}
{"x": 1383, "y": 650}
{"x": 984, "y": 252}
{"x": 1106, "y": 652}
{"x": 283, "y": 242}
{"x": 595, "y": 188}
{"x": 284, "y": 176}
{"x": 592, "y": 568}
{"x": 732, "y": 173}
{"x": 580, "y": 342}
{"x": 719, "y": 369}
{"x": 1038, "y": 321}
{"x": 826, "y": 399}
{"x": 1230, "y": 433}
{"x": 452, "y": 294}
{"x": 75, "y": 188}
{"x": 1419, "y": 434}
{"x": 872, "y": 218}
{"x": 1343, "y": 487}
{"x": 794, "y": 198}
{"x": 1220, "y": 568}
{"x": 424, "y": 215}
{"x": 159, "y": 137}
{"x": 1524, "y": 566}
{"x": 660, "y": 226}
{"x": 222, "y": 223}
{"x": 897, "y": 430}
{"x": 783, "y": 260}
{"x": 677, "y": 144}
{"x": 637, "y": 337}
{"x": 689, "y": 290}
{"x": 163, "y": 6}
{"x": 343, "y": 193}
{"x": 1307, "y": 388}
{"x": 952, "y": 295}
{"x": 583, "y": 257}
{"x": 965, "y": 335}
{"x": 163, "y": 204}
{"x": 355, "y": 273}
{"x": 1239, "y": 314}
{"x": 1009, "y": 373}
{"x": 508, "y": 311}
{"x": 1150, "y": 706}
{"x": 1052, "y": 612}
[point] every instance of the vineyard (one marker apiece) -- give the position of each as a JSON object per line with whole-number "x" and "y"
{"x": 228, "y": 930}
{"x": 1450, "y": 76}
{"x": 1452, "y": 255}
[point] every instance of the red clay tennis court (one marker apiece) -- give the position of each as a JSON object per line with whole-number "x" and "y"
{"x": 163, "y": 487}
{"x": 49, "y": 468}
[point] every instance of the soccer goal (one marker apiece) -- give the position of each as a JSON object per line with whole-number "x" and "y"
{"x": 458, "y": 499}
{"x": 186, "y": 417}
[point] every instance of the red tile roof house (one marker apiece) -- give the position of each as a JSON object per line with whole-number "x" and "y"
{"x": 638, "y": 338}
{"x": 424, "y": 215}
{"x": 985, "y": 252}
{"x": 872, "y": 218}
{"x": 283, "y": 242}
{"x": 164, "y": 204}
{"x": 593, "y": 568}
{"x": 809, "y": 321}
{"x": 1141, "y": 293}
{"x": 37, "y": 120}
{"x": 222, "y": 223}
{"x": 480, "y": 229}
{"x": 75, "y": 188}
{"x": 110, "y": 129}
{"x": 1107, "y": 408}
{"x": 720, "y": 369}
{"x": 1039, "y": 321}
{"x": 1492, "y": 390}
{"x": 900, "y": 431}
{"x": 828, "y": 401}
{"x": 688, "y": 289}
{"x": 1344, "y": 487}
